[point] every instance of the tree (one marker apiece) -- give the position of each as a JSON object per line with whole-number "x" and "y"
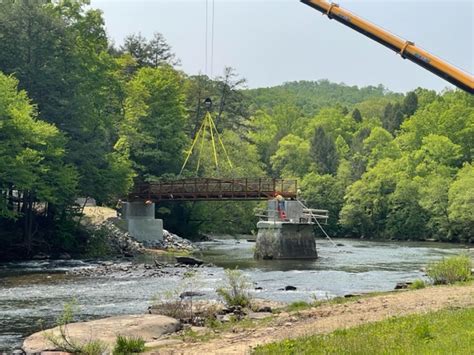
{"x": 155, "y": 120}
{"x": 356, "y": 115}
{"x": 152, "y": 53}
{"x": 31, "y": 161}
{"x": 406, "y": 218}
{"x": 326, "y": 192}
{"x": 451, "y": 115}
{"x": 392, "y": 117}
{"x": 292, "y": 157}
{"x": 62, "y": 61}
{"x": 379, "y": 145}
{"x": 358, "y": 157}
{"x": 323, "y": 152}
{"x": 410, "y": 104}
{"x": 267, "y": 129}
{"x": 367, "y": 201}
{"x": 460, "y": 204}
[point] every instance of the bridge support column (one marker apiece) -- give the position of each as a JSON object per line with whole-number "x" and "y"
{"x": 141, "y": 222}
{"x": 285, "y": 240}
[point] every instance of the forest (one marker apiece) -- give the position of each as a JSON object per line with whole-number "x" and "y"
{"x": 83, "y": 117}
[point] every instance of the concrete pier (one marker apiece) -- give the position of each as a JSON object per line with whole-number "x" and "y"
{"x": 285, "y": 233}
{"x": 279, "y": 240}
{"x": 141, "y": 223}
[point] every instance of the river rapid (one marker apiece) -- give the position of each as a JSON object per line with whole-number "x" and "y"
{"x": 32, "y": 294}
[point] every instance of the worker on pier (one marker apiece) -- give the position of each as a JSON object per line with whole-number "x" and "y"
{"x": 281, "y": 206}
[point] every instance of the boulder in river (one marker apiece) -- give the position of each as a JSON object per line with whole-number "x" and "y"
{"x": 188, "y": 260}
{"x": 188, "y": 294}
{"x": 402, "y": 285}
{"x": 149, "y": 327}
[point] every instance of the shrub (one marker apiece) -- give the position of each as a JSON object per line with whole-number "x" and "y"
{"x": 171, "y": 303}
{"x": 450, "y": 270}
{"x": 129, "y": 345}
{"x": 236, "y": 290}
{"x": 417, "y": 284}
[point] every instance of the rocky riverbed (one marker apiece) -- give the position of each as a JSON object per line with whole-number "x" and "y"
{"x": 127, "y": 270}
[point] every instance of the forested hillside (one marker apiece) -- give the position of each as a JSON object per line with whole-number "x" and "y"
{"x": 311, "y": 96}
{"x": 80, "y": 117}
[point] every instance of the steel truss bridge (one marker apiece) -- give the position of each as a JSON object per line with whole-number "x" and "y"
{"x": 210, "y": 189}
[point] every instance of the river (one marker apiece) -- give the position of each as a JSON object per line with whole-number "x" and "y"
{"x": 33, "y": 293}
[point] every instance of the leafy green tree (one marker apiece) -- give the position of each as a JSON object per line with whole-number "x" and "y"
{"x": 410, "y": 104}
{"x": 334, "y": 122}
{"x": 379, "y": 145}
{"x": 155, "y": 118}
{"x": 451, "y": 115}
{"x": 292, "y": 157}
{"x": 367, "y": 204}
{"x": 356, "y": 115}
{"x": 461, "y": 202}
{"x": 392, "y": 117}
{"x": 323, "y": 152}
{"x": 437, "y": 154}
{"x": 343, "y": 150}
{"x": 149, "y": 53}
{"x": 31, "y": 161}
{"x": 268, "y": 129}
{"x": 358, "y": 157}
{"x": 406, "y": 218}
{"x": 324, "y": 191}
{"x": 62, "y": 61}
{"x": 425, "y": 97}
{"x": 373, "y": 108}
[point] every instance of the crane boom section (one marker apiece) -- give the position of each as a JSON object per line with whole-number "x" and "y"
{"x": 405, "y": 48}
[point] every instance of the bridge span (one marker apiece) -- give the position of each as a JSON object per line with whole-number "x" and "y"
{"x": 214, "y": 189}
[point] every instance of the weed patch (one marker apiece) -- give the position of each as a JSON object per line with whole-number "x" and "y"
{"x": 450, "y": 270}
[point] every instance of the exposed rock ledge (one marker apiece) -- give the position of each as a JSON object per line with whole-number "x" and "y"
{"x": 148, "y": 326}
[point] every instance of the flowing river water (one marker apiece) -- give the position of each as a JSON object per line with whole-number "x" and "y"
{"x": 32, "y": 294}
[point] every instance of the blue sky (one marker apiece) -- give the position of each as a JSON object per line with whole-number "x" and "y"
{"x": 273, "y": 41}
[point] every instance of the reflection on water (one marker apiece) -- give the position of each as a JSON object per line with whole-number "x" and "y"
{"x": 36, "y": 291}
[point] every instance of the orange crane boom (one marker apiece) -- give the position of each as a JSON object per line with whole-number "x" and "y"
{"x": 405, "y": 48}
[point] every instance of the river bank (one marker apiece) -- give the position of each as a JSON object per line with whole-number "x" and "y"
{"x": 35, "y": 291}
{"x": 326, "y": 318}
{"x": 167, "y": 336}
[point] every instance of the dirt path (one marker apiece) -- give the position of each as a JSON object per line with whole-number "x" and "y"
{"x": 328, "y": 317}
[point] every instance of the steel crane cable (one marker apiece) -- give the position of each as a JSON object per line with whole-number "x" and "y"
{"x": 210, "y": 15}
{"x": 212, "y": 38}
{"x": 206, "y": 35}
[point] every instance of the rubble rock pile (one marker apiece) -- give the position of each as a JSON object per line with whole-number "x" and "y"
{"x": 119, "y": 241}
{"x": 172, "y": 242}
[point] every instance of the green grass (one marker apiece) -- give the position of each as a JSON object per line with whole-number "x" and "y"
{"x": 450, "y": 270}
{"x": 443, "y": 332}
{"x": 299, "y": 306}
{"x": 128, "y": 345}
{"x": 417, "y": 284}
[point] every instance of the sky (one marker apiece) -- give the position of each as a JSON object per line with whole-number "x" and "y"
{"x": 270, "y": 42}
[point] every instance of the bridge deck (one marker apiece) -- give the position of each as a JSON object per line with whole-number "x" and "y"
{"x": 205, "y": 189}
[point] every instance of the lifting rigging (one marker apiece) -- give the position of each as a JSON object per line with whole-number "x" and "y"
{"x": 207, "y": 125}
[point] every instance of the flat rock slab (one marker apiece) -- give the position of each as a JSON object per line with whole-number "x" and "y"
{"x": 149, "y": 327}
